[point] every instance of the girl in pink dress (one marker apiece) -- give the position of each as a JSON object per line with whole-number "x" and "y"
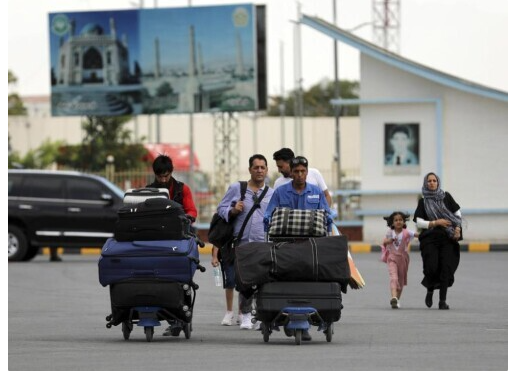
{"x": 397, "y": 242}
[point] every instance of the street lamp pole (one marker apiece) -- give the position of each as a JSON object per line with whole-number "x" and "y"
{"x": 191, "y": 179}
{"x": 337, "y": 117}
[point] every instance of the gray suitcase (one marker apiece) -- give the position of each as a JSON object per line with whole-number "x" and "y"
{"x": 136, "y": 195}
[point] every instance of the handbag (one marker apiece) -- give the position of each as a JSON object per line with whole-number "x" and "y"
{"x": 298, "y": 222}
{"x": 384, "y": 254}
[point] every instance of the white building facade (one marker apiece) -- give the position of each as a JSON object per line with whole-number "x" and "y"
{"x": 462, "y": 136}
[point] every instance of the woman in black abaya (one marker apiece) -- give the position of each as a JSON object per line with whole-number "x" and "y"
{"x": 439, "y": 217}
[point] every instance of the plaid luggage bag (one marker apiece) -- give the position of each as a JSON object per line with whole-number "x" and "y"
{"x": 286, "y": 222}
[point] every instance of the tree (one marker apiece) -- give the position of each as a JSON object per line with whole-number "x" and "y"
{"x": 316, "y": 100}
{"x": 15, "y": 108}
{"x": 104, "y": 136}
{"x": 15, "y": 104}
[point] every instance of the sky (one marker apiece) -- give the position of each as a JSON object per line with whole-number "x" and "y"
{"x": 465, "y": 38}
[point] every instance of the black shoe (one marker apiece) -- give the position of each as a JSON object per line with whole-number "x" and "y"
{"x": 443, "y": 305}
{"x": 305, "y": 335}
{"x": 428, "y": 298}
{"x": 172, "y": 331}
{"x": 55, "y": 259}
{"x": 288, "y": 332}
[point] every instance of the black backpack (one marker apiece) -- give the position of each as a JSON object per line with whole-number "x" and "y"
{"x": 221, "y": 232}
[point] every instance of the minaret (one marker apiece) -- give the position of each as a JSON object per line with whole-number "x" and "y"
{"x": 239, "y": 56}
{"x": 113, "y": 32}
{"x": 192, "y": 66}
{"x": 72, "y": 27}
{"x": 157, "y": 58}
{"x": 187, "y": 100}
{"x": 200, "y": 70}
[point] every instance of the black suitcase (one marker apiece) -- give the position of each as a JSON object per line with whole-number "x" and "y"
{"x": 152, "y": 220}
{"x": 325, "y": 297}
{"x": 174, "y": 297}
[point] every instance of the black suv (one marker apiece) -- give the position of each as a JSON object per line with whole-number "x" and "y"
{"x": 59, "y": 208}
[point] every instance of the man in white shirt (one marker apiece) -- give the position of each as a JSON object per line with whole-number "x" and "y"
{"x": 283, "y": 158}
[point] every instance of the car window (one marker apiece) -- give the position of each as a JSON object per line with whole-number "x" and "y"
{"x": 14, "y": 184}
{"x": 43, "y": 186}
{"x": 84, "y": 189}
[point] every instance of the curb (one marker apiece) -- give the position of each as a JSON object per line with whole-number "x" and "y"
{"x": 355, "y": 248}
{"x": 473, "y": 247}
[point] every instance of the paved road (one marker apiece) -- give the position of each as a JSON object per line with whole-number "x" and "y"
{"x": 57, "y": 311}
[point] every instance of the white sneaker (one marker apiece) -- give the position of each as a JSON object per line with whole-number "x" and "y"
{"x": 246, "y": 322}
{"x": 257, "y": 325}
{"x": 228, "y": 319}
{"x": 394, "y": 303}
{"x": 398, "y": 304}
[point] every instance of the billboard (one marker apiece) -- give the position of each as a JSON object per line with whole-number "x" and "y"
{"x": 160, "y": 60}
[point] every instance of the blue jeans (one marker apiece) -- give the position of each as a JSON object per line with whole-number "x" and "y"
{"x": 229, "y": 275}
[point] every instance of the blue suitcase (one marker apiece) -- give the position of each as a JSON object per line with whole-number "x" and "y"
{"x": 166, "y": 260}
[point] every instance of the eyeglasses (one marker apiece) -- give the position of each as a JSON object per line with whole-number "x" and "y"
{"x": 299, "y": 161}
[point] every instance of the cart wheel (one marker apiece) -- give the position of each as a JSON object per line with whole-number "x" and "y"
{"x": 266, "y": 331}
{"x": 328, "y": 332}
{"x": 298, "y": 336}
{"x": 126, "y": 330}
{"x": 187, "y": 329}
{"x": 148, "y": 330}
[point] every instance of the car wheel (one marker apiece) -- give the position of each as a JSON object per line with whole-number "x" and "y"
{"x": 18, "y": 246}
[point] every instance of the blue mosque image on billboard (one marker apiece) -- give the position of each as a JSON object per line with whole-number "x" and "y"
{"x": 165, "y": 60}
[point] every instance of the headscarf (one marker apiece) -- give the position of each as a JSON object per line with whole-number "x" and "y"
{"x": 435, "y": 207}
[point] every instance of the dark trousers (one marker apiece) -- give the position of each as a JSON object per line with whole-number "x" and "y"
{"x": 441, "y": 257}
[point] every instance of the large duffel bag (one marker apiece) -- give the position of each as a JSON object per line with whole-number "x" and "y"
{"x": 297, "y": 222}
{"x": 325, "y": 297}
{"x": 169, "y": 260}
{"x": 174, "y": 297}
{"x": 151, "y": 220}
{"x": 137, "y": 195}
{"x": 323, "y": 259}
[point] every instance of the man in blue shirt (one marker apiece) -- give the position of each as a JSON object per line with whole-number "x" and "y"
{"x": 297, "y": 194}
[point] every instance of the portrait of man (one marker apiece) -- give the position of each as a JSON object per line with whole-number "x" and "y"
{"x": 401, "y": 147}
{"x": 401, "y": 144}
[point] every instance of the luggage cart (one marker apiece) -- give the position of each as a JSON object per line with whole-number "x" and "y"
{"x": 300, "y": 315}
{"x": 176, "y": 307}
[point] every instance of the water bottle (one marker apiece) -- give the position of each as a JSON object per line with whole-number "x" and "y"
{"x": 217, "y": 276}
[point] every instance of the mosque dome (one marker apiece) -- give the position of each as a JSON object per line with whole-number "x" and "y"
{"x": 91, "y": 29}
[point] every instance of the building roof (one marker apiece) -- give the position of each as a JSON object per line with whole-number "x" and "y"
{"x": 400, "y": 62}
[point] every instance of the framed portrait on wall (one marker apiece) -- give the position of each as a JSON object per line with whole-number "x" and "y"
{"x": 401, "y": 148}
